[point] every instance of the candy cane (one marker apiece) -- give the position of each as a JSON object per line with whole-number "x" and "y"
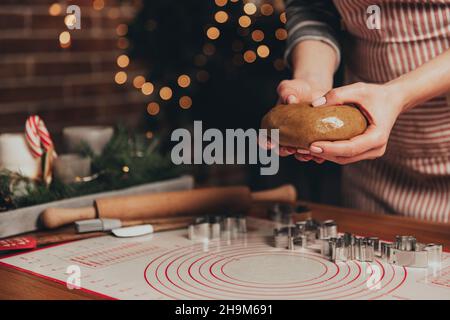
{"x": 37, "y": 136}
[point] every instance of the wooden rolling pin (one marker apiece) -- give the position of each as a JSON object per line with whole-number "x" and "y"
{"x": 169, "y": 204}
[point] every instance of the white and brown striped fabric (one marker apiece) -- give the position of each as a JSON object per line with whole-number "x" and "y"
{"x": 413, "y": 178}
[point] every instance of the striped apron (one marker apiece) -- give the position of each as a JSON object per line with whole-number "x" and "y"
{"x": 413, "y": 177}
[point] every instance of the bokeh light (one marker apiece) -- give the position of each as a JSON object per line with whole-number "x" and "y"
{"x": 266, "y": 9}
{"x": 55, "y": 9}
{"x": 185, "y": 102}
{"x": 221, "y": 16}
{"x": 245, "y": 21}
{"x": 147, "y": 88}
{"x": 258, "y": 35}
{"x": 263, "y": 51}
{"x": 98, "y": 4}
{"x": 184, "y": 81}
{"x": 70, "y": 20}
{"x": 249, "y": 56}
{"x": 138, "y": 81}
{"x": 123, "y": 43}
{"x": 221, "y": 3}
{"x": 281, "y": 34}
{"x": 122, "y": 29}
{"x": 165, "y": 93}
{"x": 64, "y": 39}
{"x": 250, "y": 8}
{"x": 123, "y": 61}
{"x": 121, "y": 77}
{"x": 153, "y": 108}
{"x": 209, "y": 49}
{"x": 202, "y": 76}
{"x": 213, "y": 33}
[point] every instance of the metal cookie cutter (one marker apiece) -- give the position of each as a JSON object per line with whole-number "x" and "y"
{"x": 407, "y": 252}
{"x": 349, "y": 247}
{"x": 284, "y": 235}
{"x": 213, "y": 227}
{"x": 307, "y": 234}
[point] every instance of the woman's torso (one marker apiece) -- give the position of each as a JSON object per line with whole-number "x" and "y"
{"x": 411, "y": 33}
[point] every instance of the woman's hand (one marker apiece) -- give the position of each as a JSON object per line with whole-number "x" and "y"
{"x": 380, "y": 103}
{"x": 295, "y": 91}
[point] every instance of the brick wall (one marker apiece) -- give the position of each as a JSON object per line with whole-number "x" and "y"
{"x": 66, "y": 86}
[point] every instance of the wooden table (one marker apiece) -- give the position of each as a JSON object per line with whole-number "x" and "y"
{"x": 18, "y": 285}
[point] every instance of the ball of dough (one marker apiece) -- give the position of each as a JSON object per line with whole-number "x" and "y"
{"x": 301, "y": 124}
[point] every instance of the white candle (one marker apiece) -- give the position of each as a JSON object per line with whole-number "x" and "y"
{"x": 96, "y": 137}
{"x": 16, "y": 156}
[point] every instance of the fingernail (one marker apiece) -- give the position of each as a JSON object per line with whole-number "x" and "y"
{"x": 315, "y": 149}
{"x": 291, "y": 99}
{"x": 319, "y": 102}
{"x": 303, "y": 151}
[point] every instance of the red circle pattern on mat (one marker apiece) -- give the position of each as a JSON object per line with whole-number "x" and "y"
{"x": 215, "y": 272}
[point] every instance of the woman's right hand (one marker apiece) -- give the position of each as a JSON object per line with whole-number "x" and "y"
{"x": 296, "y": 91}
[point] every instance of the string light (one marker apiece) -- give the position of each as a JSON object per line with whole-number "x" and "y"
{"x": 184, "y": 81}
{"x": 221, "y": 16}
{"x": 263, "y": 51}
{"x": 165, "y": 93}
{"x": 185, "y": 102}
{"x": 250, "y": 8}
{"x": 147, "y": 88}
{"x": 55, "y": 9}
{"x": 123, "y": 61}
{"x": 258, "y": 36}
{"x": 125, "y": 169}
{"x": 249, "y": 56}
{"x": 121, "y": 77}
{"x": 138, "y": 81}
{"x": 153, "y": 108}
{"x": 213, "y": 33}
{"x": 149, "y": 134}
{"x": 245, "y": 21}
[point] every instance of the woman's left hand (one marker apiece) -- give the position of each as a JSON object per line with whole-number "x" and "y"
{"x": 380, "y": 103}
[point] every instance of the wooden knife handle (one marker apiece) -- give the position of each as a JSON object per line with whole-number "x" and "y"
{"x": 64, "y": 237}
